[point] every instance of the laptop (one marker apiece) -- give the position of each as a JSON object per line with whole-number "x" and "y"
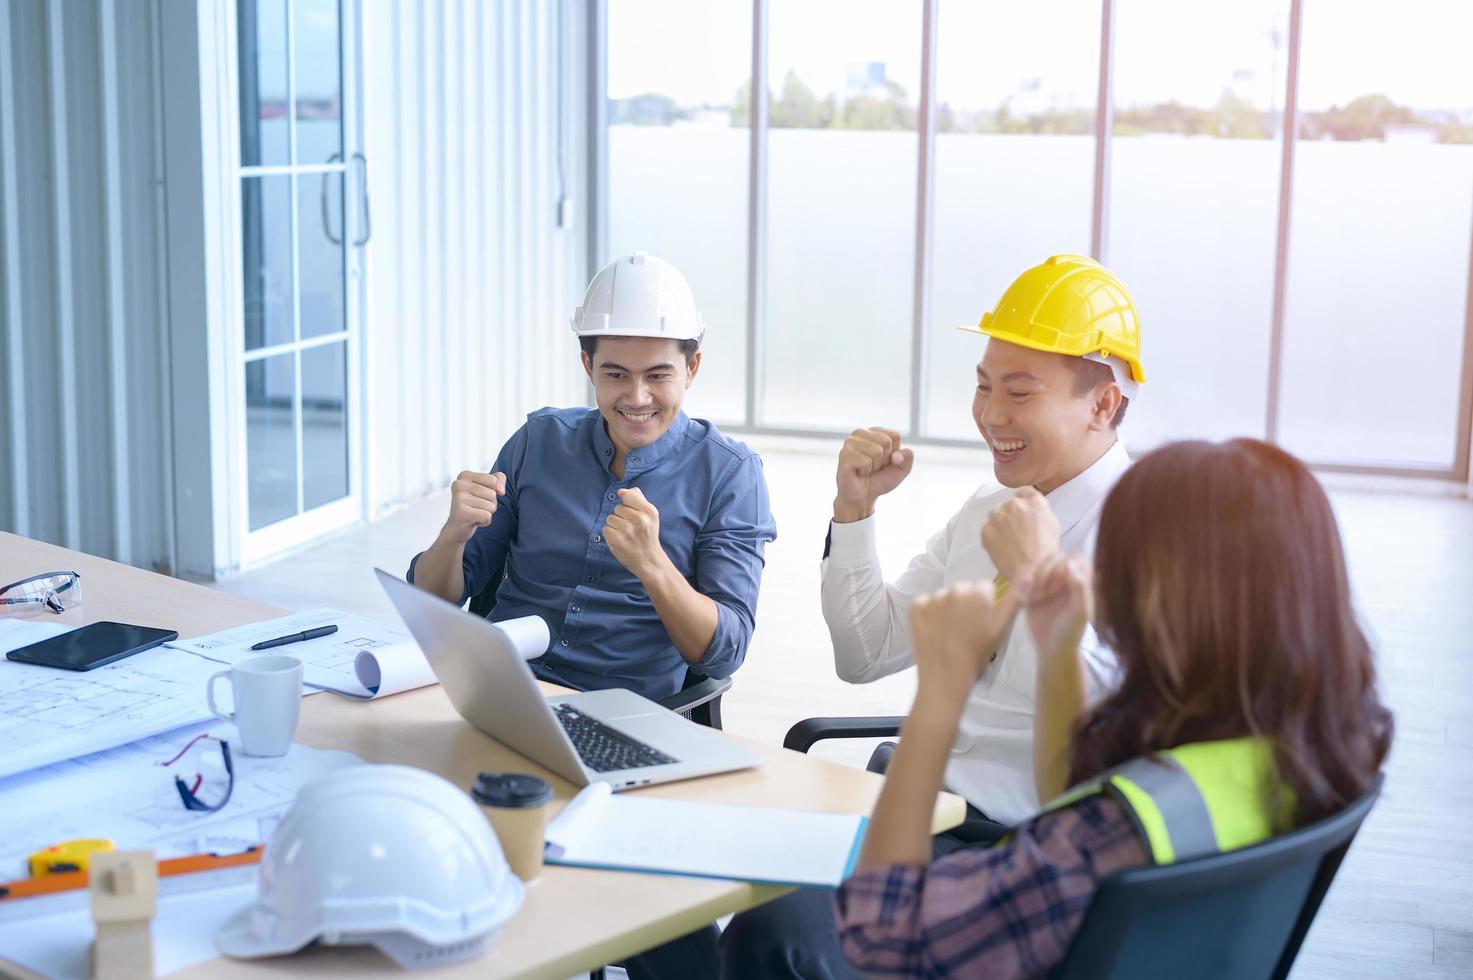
{"x": 614, "y": 736}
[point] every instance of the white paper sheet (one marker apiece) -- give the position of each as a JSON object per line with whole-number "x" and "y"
{"x": 391, "y": 670}
{"x": 48, "y": 715}
{"x": 528, "y": 635}
{"x": 579, "y": 819}
{"x": 17, "y": 633}
{"x": 330, "y": 663}
{"x": 184, "y": 930}
{"x": 598, "y": 829}
{"x": 403, "y": 667}
{"x": 126, "y": 796}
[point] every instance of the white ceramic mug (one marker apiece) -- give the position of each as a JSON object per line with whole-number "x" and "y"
{"x": 268, "y": 698}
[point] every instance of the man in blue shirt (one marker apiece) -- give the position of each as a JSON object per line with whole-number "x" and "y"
{"x": 635, "y": 531}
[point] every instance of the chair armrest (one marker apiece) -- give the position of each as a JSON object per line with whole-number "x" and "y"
{"x": 697, "y": 694}
{"x": 803, "y": 735}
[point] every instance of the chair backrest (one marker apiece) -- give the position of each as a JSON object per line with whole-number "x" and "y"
{"x": 484, "y": 601}
{"x": 1238, "y": 915}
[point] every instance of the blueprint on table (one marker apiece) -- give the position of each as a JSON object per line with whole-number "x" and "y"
{"x": 49, "y": 715}
{"x": 126, "y": 795}
{"x": 328, "y": 662}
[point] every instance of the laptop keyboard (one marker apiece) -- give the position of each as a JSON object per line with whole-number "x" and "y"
{"x": 602, "y": 748}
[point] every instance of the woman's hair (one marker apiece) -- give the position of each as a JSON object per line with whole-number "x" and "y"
{"x": 1221, "y": 586}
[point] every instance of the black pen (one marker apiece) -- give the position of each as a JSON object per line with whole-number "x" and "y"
{"x": 282, "y": 641}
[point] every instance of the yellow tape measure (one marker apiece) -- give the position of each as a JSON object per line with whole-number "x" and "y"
{"x": 71, "y": 855}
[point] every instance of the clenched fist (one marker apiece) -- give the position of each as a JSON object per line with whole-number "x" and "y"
{"x": 955, "y": 632}
{"x": 472, "y": 504}
{"x": 1060, "y": 602}
{"x": 871, "y": 464}
{"x": 633, "y": 533}
{"x": 1020, "y": 534}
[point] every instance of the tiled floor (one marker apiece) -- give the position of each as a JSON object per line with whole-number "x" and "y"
{"x": 1403, "y": 902}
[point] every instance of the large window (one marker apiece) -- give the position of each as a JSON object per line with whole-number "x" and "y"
{"x": 678, "y": 171}
{"x": 1199, "y": 91}
{"x": 1382, "y": 216}
{"x": 1014, "y": 171}
{"x": 1292, "y": 215}
{"x": 843, "y": 79}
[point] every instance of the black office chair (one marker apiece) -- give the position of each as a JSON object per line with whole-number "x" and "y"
{"x": 974, "y": 829}
{"x": 1231, "y": 916}
{"x": 699, "y": 699}
{"x": 810, "y": 731}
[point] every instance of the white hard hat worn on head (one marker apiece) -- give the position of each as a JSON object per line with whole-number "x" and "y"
{"x": 390, "y": 856}
{"x": 639, "y": 296}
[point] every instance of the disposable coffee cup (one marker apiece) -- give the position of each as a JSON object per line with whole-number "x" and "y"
{"x": 517, "y": 806}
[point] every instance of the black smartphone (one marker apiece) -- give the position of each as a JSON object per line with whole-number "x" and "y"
{"x": 92, "y": 646}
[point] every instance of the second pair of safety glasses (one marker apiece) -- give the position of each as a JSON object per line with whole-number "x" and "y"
{"x": 57, "y": 591}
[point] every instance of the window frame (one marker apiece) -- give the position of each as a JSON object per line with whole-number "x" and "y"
{"x": 757, "y": 176}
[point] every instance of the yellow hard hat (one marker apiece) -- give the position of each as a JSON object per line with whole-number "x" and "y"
{"x": 1070, "y": 304}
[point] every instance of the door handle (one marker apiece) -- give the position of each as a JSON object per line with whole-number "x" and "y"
{"x": 322, "y": 195}
{"x": 362, "y": 239}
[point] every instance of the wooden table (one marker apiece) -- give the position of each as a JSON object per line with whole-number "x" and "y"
{"x": 573, "y": 919}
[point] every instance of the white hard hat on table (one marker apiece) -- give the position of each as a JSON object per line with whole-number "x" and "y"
{"x": 639, "y": 296}
{"x": 391, "y": 856}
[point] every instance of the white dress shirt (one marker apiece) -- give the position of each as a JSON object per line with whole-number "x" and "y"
{"x": 992, "y": 759}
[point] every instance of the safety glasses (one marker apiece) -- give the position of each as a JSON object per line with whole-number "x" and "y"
{"x": 187, "y": 790}
{"x": 57, "y": 591}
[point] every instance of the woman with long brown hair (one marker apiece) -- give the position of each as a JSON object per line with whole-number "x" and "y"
{"x": 1246, "y": 687}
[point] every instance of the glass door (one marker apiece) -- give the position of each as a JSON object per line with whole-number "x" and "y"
{"x": 299, "y": 260}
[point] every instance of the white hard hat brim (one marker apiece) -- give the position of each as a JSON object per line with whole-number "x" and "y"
{"x": 238, "y": 938}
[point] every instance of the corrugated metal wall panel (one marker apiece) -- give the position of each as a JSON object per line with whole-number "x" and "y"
{"x": 33, "y": 372}
{"x": 14, "y": 485}
{"x": 469, "y": 279}
{"x": 82, "y": 333}
{"x": 144, "y": 312}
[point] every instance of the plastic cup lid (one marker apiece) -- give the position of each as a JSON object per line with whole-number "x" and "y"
{"x": 510, "y": 789}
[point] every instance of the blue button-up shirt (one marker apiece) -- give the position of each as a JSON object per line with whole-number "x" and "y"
{"x": 546, "y": 538}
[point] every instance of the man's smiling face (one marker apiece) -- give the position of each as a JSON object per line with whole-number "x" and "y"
{"x": 640, "y": 385}
{"x": 1035, "y": 421}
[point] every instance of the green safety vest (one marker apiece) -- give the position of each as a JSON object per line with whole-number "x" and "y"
{"x": 1197, "y": 800}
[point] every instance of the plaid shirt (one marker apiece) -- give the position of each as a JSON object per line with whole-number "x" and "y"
{"x": 1004, "y": 911}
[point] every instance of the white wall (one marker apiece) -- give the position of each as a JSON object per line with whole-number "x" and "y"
{"x": 469, "y": 278}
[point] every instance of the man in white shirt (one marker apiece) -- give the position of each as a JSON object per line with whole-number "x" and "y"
{"x": 1061, "y": 365}
{"x": 995, "y": 532}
